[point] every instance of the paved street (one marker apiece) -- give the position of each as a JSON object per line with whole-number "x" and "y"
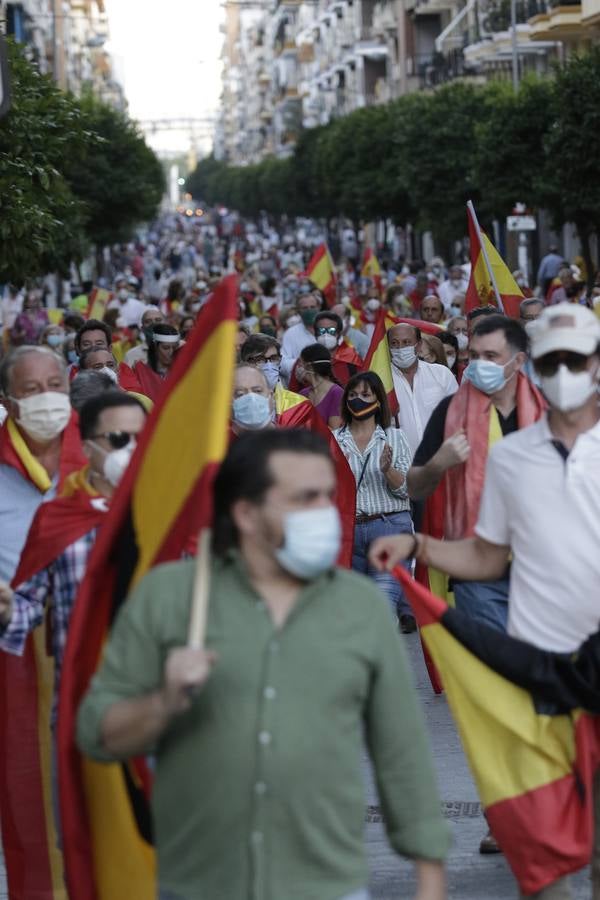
{"x": 471, "y": 876}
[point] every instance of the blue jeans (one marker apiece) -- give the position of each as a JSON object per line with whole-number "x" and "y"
{"x": 485, "y": 601}
{"x": 364, "y": 535}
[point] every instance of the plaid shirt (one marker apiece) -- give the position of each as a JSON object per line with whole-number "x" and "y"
{"x": 56, "y": 587}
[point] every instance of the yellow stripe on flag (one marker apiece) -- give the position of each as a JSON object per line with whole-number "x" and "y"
{"x": 511, "y": 748}
{"x": 322, "y": 273}
{"x": 179, "y": 449}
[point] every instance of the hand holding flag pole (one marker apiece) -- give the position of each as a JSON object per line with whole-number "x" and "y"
{"x": 199, "y": 613}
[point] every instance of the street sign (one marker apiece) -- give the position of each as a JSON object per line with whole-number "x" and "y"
{"x": 4, "y": 79}
{"x": 521, "y": 223}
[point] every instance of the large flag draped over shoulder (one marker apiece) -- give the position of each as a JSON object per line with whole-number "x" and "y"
{"x": 164, "y": 499}
{"x": 321, "y": 271}
{"x": 531, "y": 748}
{"x": 480, "y": 291}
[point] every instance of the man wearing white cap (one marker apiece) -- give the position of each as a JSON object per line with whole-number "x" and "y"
{"x": 540, "y": 502}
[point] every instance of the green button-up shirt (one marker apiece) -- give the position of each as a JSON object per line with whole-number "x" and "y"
{"x": 259, "y": 793}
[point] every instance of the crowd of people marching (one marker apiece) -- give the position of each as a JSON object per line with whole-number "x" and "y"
{"x": 471, "y": 444}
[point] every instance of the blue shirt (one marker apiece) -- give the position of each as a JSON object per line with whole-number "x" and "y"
{"x": 19, "y": 500}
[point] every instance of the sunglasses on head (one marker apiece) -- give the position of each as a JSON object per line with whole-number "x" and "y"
{"x": 548, "y": 365}
{"x": 331, "y": 330}
{"x": 116, "y": 439}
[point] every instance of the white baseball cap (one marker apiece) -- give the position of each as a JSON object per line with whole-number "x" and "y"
{"x": 566, "y": 326}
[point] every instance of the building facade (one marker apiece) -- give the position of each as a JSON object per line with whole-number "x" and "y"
{"x": 66, "y": 40}
{"x": 293, "y": 64}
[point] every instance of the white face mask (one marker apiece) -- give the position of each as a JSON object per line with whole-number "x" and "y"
{"x": 567, "y": 390}
{"x": 123, "y": 294}
{"x": 373, "y": 304}
{"x": 293, "y": 320}
{"x": 110, "y": 372}
{"x": 44, "y": 416}
{"x": 455, "y": 310}
{"x": 328, "y": 340}
{"x": 450, "y": 359}
{"x": 312, "y": 541}
{"x": 115, "y": 461}
{"x": 404, "y": 357}
{"x": 463, "y": 340}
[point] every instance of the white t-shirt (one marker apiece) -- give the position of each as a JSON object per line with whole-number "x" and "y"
{"x": 547, "y": 509}
{"x": 130, "y": 311}
{"x": 295, "y": 339}
{"x": 432, "y": 382}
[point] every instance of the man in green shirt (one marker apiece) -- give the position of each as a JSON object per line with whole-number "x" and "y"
{"x": 258, "y": 739}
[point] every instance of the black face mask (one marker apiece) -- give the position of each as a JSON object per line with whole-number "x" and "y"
{"x": 362, "y": 409}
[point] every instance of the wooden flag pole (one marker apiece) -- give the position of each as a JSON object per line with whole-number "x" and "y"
{"x": 199, "y": 612}
{"x": 488, "y": 265}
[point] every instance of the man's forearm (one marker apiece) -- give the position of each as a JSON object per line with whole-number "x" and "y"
{"x": 431, "y": 880}
{"x": 470, "y": 560}
{"x": 130, "y": 727}
{"x": 422, "y": 481}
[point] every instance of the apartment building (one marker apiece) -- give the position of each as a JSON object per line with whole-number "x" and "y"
{"x": 293, "y": 64}
{"x": 66, "y": 39}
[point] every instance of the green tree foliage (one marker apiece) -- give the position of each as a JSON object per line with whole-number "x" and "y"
{"x": 72, "y": 172}
{"x": 41, "y": 220}
{"x": 118, "y": 177}
{"x": 420, "y": 158}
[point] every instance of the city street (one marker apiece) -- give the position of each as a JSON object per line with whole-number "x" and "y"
{"x": 470, "y": 875}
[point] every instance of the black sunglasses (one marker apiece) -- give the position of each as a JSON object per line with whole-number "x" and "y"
{"x": 548, "y": 365}
{"x": 116, "y": 439}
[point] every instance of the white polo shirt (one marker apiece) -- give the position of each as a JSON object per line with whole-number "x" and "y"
{"x": 432, "y": 382}
{"x": 547, "y": 509}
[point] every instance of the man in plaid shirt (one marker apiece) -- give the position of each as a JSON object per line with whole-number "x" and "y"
{"x": 63, "y": 531}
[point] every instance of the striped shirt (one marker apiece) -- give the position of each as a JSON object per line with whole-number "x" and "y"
{"x": 374, "y": 495}
{"x": 58, "y": 585}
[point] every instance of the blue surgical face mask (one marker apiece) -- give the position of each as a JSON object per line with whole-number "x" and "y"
{"x": 55, "y": 340}
{"x": 72, "y": 356}
{"x": 271, "y": 372}
{"x": 487, "y": 376}
{"x": 252, "y": 411}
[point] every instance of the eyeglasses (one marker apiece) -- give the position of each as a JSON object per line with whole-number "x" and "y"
{"x": 116, "y": 439}
{"x": 259, "y": 360}
{"x": 548, "y": 365}
{"x": 331, "y": 330}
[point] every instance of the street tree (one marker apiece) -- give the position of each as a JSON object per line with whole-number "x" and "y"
{"x": 41, "y": 218}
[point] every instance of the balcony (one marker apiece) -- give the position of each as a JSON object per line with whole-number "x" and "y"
{"x": 590, "y": 12}
{"x": 562, "y": 21}
{"x": 434, "y": 69}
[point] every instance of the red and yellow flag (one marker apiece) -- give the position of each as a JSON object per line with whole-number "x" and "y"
{"x": 371, "y": 268}
{"x": 532, "y": 751}
{"x": 481, "y": 290}
{"x": 98, "y": 303}
{"x": 379, "y": 359}
{"x": 163, "y": 500}
{"x": 321, "y": 271}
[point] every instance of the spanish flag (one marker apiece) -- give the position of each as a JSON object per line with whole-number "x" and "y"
{"x": 531, "y": 747}
{"x": 321, "y": 271}
{"x": 99, "y": 300}
{"x": 164, "y": 499}
{"x": 371, "y": 268}
{"x": 483, "y": 283}
{"x": 379, "y": 360}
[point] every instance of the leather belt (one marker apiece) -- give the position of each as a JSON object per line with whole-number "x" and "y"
{"x": 360, "y": 520}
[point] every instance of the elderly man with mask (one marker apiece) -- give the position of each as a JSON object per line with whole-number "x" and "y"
{"x": 419, "y": 385}
{"x": 39, "y": 443}
{"x": 291, "y": 409}
{"x": 63, "y": 531}
{"x": 357, "y": 339}
{"x": 453, "y": 289}
{"x": 300, "y": 663}
{"x": 151, "y": 316}
{"x": 300, "y": 336}
{"x": 329, "y": 332}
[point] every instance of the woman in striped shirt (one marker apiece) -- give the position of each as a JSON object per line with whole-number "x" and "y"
{"x": 379, "y": 457}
